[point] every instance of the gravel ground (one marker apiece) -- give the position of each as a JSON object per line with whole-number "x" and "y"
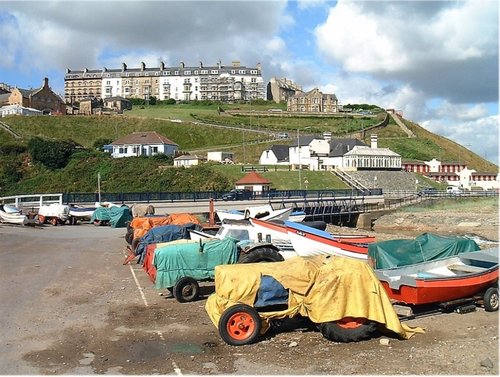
{"x": 69, "y": 306}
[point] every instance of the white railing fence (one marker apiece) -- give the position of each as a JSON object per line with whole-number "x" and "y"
{"x": 32, "y": 200}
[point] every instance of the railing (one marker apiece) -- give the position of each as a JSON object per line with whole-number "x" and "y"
{"x": 32, "y": 200}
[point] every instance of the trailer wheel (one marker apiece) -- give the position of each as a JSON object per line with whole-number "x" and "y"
{"x": 239, "y": 325}
{"x": 186, "y": 289}
{"x": 54, "y": 221}
{"x": 41, "y": 219}
{"x": 261, "y": 254}
{"x": 491, "y": 299}
{"x": 348, "y": 329}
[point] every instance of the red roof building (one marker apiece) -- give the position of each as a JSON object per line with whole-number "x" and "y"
{"x": 253, "y": 181}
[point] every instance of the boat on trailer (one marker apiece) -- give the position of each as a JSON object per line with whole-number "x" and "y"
{"x": 310, "y": 241}
{"x": 447, "y": 279}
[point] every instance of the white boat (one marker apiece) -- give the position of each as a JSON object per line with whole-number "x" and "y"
{"x": 310, "y": 241}
{"x": 265, "y": 212}
{"x": 12, "y": 215}
{"x": 80, "y": 213}
{"x": 244, "y": 230}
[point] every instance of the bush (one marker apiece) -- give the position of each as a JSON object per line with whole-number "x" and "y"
{"x": 12, "y": 149}
{"x": 53, "y": 154}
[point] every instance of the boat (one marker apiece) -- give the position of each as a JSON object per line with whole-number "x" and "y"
{"x": 12, "y": 215}
{"x": 244, "y": 230}
{"x": 309, "y": 241}
{"x": 265, "y": 212}
{"x": 80, "y": 213}
{"x": 53, "y": 213}
{"x": 443, "y": 280}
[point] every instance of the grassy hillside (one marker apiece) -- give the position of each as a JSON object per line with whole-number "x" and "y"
{"x": 235, "y": 129}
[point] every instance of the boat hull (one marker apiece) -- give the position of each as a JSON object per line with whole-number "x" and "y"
{"x": 308, "y": 242}
{"x": 444, "y": 280}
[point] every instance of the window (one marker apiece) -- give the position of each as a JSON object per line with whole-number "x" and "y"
{"x": 176, "y": 73}
{"x": 214, "y": 72}
{"x": 204, "y": 72}
{"x": 187, "y": 73}
{"x": 154, "y": 149}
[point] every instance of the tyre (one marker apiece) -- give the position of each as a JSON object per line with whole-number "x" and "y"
{"x": 261, "y": 254}
{"x": 348, "y": 330}
{"x": 491, "y": 299}
{"x": 186, "y": 289}
{"x": 41, "y": 219}
{"x": 129, "y": 236}
{"x": 134, "y": 243}
{"x": 54, "y": 221}
{"x": 239, "y": 325}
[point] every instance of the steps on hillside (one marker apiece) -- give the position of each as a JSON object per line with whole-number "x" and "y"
{"x": 6, "y": 127}
{"x": 347, "y": 179}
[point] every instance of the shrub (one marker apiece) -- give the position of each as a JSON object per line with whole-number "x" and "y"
{"x": 53, "y": 154}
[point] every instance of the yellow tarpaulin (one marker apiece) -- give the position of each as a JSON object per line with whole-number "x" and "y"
{"x": 323, "y": 288}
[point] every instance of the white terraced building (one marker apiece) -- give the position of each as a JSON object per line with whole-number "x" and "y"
{"x": 182, "y": 83}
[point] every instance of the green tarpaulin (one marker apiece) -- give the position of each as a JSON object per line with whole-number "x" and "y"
{"x": 426, "y": 247}
{"x": 118, "y": 217}
{"x": 175, "y": 261}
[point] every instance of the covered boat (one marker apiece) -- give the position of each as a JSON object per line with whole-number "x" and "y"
{"x": 447, "y": 279}
{"x": 117, "y": 217}
{"x": 433, "y": 269}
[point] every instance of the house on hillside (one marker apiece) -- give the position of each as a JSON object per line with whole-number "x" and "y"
{"x": 222, "y": 157}
{"x": 118, "y": 104}
{"x": 371, "y": 158}
{"x": 311, "y": 152}
{"x": 18, "y": 110}
{"x": 144, "y": 143}
{"x": 313, "y": 101}
{"x": 277, "y": 155}
{"x": 187, "y": 161}
{"x": 253, "y": 181}
{"x": 43, "y": 99}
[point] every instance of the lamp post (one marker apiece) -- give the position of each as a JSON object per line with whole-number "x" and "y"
{"x": 298, "y": 156}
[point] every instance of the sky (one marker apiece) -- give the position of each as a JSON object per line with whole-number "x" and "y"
{"x": 436, "y": 61}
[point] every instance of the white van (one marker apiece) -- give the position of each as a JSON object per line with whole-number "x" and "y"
{"x": 453, "y": 190}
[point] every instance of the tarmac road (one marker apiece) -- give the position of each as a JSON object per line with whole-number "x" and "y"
{"x": 69, "y": 306}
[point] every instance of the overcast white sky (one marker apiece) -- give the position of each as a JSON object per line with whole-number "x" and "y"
{"x": 435, "y": 61}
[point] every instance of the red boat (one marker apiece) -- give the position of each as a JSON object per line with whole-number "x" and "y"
{"x": 308, "y": 241}
{"x": 457, "y": 277}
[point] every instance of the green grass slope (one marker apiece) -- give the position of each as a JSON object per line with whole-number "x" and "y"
{"x": 232, "y": 129}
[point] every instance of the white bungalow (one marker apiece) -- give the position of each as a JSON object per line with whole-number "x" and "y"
{"x": 187, "y": 161}
{"x": 143, "y": 144}
{"x": 17, "y": 109}
{"x": 371, "y": 158}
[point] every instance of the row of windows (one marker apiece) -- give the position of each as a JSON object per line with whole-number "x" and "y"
{"x": 165, "y": 73}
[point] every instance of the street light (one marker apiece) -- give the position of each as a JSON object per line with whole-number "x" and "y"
{"x": 298, "y": 154}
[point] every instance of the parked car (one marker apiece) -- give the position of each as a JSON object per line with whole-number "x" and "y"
{"x": 238, "y": 194}
{"x": 428, "y": 191}
{"x": 454, "y": 190}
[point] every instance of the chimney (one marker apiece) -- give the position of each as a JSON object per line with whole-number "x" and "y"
{"x": 143, "y": 66}
{"x": 162, "y": 66}
{"x": 124, "y": 67}
{"x": 181, "y": 65}
{"x": 374, "y": 142}
{"x": 45, "y": 82}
